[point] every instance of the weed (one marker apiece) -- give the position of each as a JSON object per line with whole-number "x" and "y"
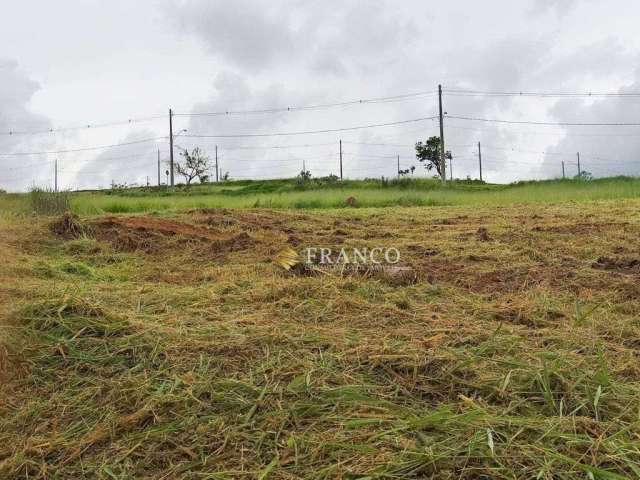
{"x": 44, "y": 201}
{"x": 77, "y": 268}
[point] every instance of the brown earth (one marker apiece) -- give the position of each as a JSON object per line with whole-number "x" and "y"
{"x": 444, "y": 251}
{"x": 218, "y": 350}
{"x": 150, "y": 234}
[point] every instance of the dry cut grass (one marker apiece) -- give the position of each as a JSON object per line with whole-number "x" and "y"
{"x": 173, "y": 347}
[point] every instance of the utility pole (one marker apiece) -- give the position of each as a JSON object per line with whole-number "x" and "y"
{"x": 398, "y": 167}
{"x": 443, "y": 160}
{"x": 451, "y": 168}
{"x": 480, "y": 159}
{"x": 579, "y": 169}
{"x": 563, "y": 175}
{"x": 171, "y": 145}
{"x": 55, "y": 180}
{"x": 159, "y": 179}
{"x": 217, "y": 171}
{"x": 341, "y": 160}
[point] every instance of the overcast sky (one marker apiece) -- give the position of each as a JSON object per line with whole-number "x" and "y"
{"x": 67, "y": 65}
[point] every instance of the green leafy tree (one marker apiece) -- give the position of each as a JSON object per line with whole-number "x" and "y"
{"x": 428, "y": 153}
{"x": 195, "y": 165}
{"x": 303, "y": 177}
{"x": 584, "y": 175}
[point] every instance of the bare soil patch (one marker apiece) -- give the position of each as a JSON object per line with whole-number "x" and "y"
{"x": 150, "y": 235}
{"x": 581, "y": 228}
{"x": 630, "y": 266}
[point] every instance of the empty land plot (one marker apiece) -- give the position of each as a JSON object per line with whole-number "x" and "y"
{"x": 172, "y": 346}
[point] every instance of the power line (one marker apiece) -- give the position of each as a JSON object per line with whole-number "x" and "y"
{"x": 473, "y": 93}
{"x": 312, "y": 132}
{"x": 389, "y": 99}
{"x": 556, "y": 134}
{"x": 84, "y": 149}
{"x": 275, "y": 147}
{"x": 129, "y": 121}
{"x": 89, "y": 126}
{"x": 556, "y": 124}
{"x": 396, "y": 145}
{"x": 75, "y": 160}
{"x": 556, "y": 154}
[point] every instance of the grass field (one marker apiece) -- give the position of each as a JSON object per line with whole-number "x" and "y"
{"x": 321, "y": 195}
{"x": 168, "y": 344}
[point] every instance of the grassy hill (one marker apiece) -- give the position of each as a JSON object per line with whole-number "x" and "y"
{"x": 329, "y": 194}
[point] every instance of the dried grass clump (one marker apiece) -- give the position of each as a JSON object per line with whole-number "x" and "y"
{"x": 69, "y": 226}
{"x": 73, "y": 315}
{"x": 514, "y": 358}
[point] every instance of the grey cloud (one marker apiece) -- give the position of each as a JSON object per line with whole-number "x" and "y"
{"x": 16, "y": 92}
{"x": 260, "y": 54}
{"x": 327, "y": 36}
{"x": 246, "y": 33}
{"x": 561, "y": 7}
{"x": 233, "y": 94}
{"x": 128, "y": 164}
{"x": 364, "y": 37}
{"x": 604, "y": 150}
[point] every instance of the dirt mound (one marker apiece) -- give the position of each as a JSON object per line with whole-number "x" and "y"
{"x": 69, "y": 226}
{"x": 580, "y": 228}
{"x": 619, "y": 265}
{"x": 482, "y": 235}
{"x": 393, "y": 275}
{"x": 150, "y": 235}
{"x": 248, "y": 221}
{"x": 242, "y": 241}
{"x": 484, "y": 275}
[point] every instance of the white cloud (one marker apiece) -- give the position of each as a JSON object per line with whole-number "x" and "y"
{"x": 197, "y": 55}
{"x": 16, "y": 93}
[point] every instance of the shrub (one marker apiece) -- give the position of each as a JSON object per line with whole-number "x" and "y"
{"x": 44, "y": 201}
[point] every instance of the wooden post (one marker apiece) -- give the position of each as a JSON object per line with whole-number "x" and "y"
{"x": 341, "y": 160}
{"x": 480, "y": 159}
{"x": 443, "y": 159}
{"x": 579, "y": 169}
{"x": 171, "y": 146}
{"x": 217, "y": 171}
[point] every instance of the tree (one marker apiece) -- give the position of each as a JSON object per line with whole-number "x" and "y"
{"x": 195, "y": 165}
{"x": 584, "y": 175}
{"x": 429, "y": 154}
{"x": 407, "y": 171}
{"x": 303, "y": 177}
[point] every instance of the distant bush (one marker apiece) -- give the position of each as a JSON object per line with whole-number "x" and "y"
{"x": 44, "y": 201}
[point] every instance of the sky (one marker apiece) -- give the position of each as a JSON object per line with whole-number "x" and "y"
{"x": 88, "y": 84}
